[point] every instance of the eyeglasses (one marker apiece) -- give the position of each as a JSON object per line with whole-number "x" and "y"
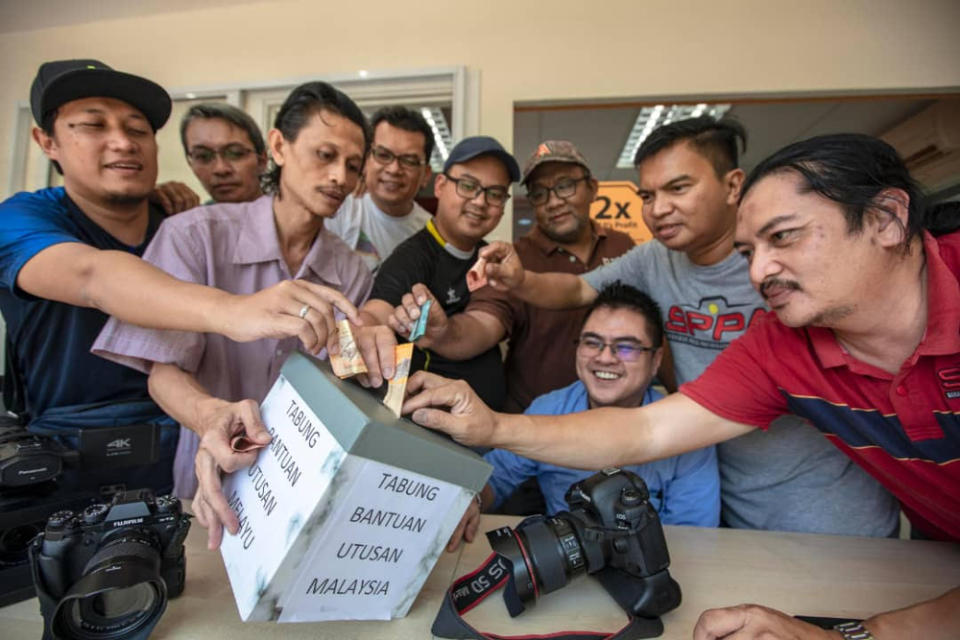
{"x": 625, "y": 350}
{"x": 469, "y": 188}
{"x": 564, "y": 188}
{"x": 230, "y": 153}
{"x": 385, "y": 157}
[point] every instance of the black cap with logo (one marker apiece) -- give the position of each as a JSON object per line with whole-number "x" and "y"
{"x": 61, "y": 81}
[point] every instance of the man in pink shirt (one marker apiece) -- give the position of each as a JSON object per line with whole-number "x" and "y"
{"x": 212, "y": 385}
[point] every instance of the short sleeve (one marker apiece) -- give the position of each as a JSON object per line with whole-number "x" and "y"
{"x": 176, "y": 249}
{"x": 31, "y": 222}
{"x": 738, "y": 384}
{"x": 500, "y": 304}
{"x": 405, "y": 267}
{"x": 345, "y": 224}
{"x": 628, "y": 268}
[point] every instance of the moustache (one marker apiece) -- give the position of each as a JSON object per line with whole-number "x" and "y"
{"x": 778, "y": 282}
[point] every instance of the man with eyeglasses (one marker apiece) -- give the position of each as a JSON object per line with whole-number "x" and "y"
{"x": 541, "y": 349}
{"x": 618, "y": 350}
{"x": 471, "y": 193}
{"x": 373, "y": 224}
{"x": 226, "y": 151}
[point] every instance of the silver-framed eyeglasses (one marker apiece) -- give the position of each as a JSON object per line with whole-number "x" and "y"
{"x": 625, "y": 349}
{"x": 407, "y": 160}
{"x": 229, "y": 153}
{"x": 469, "y": 188}
{"x": 565, "y": 188}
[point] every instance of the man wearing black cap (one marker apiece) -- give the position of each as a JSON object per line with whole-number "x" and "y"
{"x": 69, "y": 256}
{"x": 471, "y": 193}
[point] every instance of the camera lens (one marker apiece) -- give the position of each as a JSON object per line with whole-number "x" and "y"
{"x": 545, "y": 553}
{"x": 113, "y": 614}
{"x": 119, "y": 593}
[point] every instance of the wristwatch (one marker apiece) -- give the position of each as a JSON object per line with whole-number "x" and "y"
{"x": 853, "y": 631}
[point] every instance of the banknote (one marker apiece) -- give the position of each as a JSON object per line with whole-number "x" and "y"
{"x": 348, "y": 362}
{"x": 397, "y": 385}
{"x": 420, "y": 327}
{"x": 477, "y": 276}
{"x": 242, "y": 444}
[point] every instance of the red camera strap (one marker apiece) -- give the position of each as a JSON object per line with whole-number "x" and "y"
{"x": 471, "y": 589}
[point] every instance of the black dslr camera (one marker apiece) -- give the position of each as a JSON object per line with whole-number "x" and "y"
{"x": 611, "y": 532}
{"x": 107, "y": 571}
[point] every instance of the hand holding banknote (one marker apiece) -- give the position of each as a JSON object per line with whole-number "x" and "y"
{"x": 408, "y": 315}
{"x": 502, "y": 266}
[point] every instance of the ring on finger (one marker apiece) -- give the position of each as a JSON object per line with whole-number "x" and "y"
{"x": 303, "y": 311}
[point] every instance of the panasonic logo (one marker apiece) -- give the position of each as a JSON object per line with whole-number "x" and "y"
{"x": 26, "y": 472}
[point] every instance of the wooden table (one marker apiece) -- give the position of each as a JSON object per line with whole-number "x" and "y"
{"x": 799, "y": 573}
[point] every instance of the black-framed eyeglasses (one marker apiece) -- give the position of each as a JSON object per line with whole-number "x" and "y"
{"x": 229, "y": 153}
{"x": 385, "y": 157}
{"x": 625, "y": 350}
{"x": 565, "y": 188}
{"x": 469, "y": 188}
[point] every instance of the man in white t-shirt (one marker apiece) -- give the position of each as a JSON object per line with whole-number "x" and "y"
{"x": 398, "y": 167}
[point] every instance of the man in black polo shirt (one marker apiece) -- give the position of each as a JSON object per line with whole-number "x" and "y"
{"x": 471, "y": 193}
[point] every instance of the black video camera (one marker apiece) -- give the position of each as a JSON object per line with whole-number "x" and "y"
{"x": 611, "y": 532}
{"x": 28, "y": 459}
{"x": 107, "y": 571}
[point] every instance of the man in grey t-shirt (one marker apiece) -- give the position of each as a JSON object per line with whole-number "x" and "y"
{"x": 789, "y": 478}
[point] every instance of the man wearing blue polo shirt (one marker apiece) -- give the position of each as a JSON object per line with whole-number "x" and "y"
{"x": 618, "y": 352}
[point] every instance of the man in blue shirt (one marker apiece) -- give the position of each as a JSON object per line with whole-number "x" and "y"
{"x": 618, "y": 352}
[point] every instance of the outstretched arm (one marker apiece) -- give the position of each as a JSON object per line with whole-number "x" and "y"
{"x": 586, "y": 440}
{"x": 135, "y": 291}
{"x": 505, "y": 272}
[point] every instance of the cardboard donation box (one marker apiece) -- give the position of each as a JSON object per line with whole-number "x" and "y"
{"x": 344, "y": 514}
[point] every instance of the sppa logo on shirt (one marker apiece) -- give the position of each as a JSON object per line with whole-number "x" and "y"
{"x": 713, "y": 323}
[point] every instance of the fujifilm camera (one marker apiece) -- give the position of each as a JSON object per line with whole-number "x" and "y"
{"x": 611, "y": 532}
{"x": 106, "y": 572}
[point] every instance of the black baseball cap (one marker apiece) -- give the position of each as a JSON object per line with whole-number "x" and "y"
{"x": 474, "y": 146}
{"x": 61, "y": 81}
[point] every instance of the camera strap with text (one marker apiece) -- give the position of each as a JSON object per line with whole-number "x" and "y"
{"x": 473, "y": 588}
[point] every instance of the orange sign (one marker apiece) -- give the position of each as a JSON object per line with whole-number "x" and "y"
{"x": 618, "y": 207}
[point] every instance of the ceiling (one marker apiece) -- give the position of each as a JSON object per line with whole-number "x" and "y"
{"x": 600, "y": 131}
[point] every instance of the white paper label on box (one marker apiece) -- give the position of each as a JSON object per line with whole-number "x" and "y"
{"x": 377, "y": 546}
{"x": 275, "y": 497}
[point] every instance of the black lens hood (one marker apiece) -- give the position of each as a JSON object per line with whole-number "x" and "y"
{"x": 121, "y": 574}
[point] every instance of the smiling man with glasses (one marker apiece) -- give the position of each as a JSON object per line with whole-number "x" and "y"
{"x": 225, "y": 149}
{"x": 619, "y": 348}
{"x": 471, "y": 193}
{"x": 398, "y": 167}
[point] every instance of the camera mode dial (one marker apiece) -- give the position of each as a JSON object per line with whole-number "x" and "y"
{"x": 94, "y": 513}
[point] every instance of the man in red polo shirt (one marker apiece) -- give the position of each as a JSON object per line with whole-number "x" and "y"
{"x": 864, "y": 343}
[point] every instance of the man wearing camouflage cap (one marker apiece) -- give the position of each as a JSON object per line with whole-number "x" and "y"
{"x": 542, "y": 346}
